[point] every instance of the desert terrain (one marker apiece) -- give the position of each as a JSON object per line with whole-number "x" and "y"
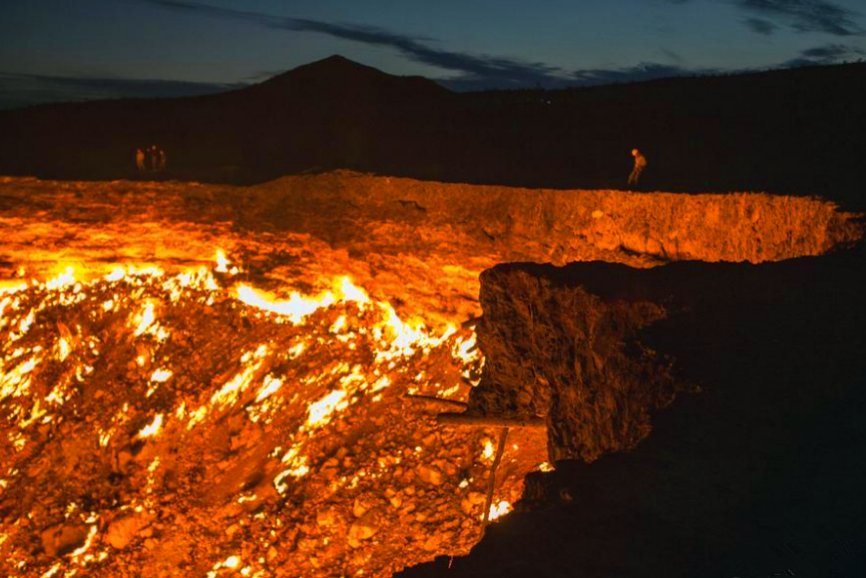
{"x": 321, "y": 352}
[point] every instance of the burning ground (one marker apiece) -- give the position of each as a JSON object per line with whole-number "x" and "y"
{"x": 247, "y": 380}
{"x": 165, "y": 422}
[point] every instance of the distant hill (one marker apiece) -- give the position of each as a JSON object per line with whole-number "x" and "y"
{"x": 797, "y": 131}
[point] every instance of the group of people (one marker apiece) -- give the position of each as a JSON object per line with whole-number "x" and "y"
{"x": 150, "y": 159}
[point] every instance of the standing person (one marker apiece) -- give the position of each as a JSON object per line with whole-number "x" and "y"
{"x": 152, "y": 158}
{"x": 139, "y": 160}
{"x": 161, "y": 160}
{"x": 639, "y": 165}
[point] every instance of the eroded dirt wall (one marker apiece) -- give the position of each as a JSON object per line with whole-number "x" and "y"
{"x": 420, "y": 245}
{"x": 562, "y": 226}
{"x": 555, "y": 350}
{"x": 577, "y": 346}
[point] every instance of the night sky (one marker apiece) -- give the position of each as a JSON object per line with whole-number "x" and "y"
{"x": 54, "y": 50}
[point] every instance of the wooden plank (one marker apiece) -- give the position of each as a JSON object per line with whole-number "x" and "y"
{"x": 474, "y": 420}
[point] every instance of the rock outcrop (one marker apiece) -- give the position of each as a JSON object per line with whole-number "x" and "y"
{"x": 555, "y": 350}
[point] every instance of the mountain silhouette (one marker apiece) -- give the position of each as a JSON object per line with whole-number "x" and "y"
{"x": 336, "y": 73}
{"x": 795, "y": 131}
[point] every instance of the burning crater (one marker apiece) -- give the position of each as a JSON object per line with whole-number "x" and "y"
{"x": 280, "y": 380}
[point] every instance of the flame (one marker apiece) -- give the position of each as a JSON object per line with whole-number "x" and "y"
{"x": 153, "y": 428}
{"x": 339, "y": 325}
{"x": 320, "y": 411}
{"x": 161, "y": 375}
{"x": 63, "y": 279}
{"x": 498, "y": 510}
{"x": 63, "y": 349}
{"x": 91, "y": 534}
{"x": 230, "y": 391}
{"x": 296, "y": 350}
{"x": 144, "y": 319}
{"x": 16, "y": 382}
{"x": 134, "y": 306}
{"x": 230, "y": 563}
{"x": 131, "y": 273}
{"x": 35, "y": 413}
{"x": 4, "y": 303}
{"x": 489, "y": 451}
{"x": 298, "y": 307}
{"x": 298, "y": 468}
{"x": 9, "y": 286}
{"x": 24, "y": 326}
{"x": 270, "y": 386}
{"x": 465, "y": 348}
{"x": 222, "y": 262}
{"x": 349, "y": 292}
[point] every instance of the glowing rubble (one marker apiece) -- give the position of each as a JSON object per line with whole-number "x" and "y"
{"x": 211, "y": 403}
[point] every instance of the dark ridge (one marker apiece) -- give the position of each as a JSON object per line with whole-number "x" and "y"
{"x": 795, "y": 131}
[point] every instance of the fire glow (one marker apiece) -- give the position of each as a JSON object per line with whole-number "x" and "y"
{"x": 161, "y": 361}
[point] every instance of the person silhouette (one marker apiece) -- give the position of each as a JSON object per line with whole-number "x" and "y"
{"x": 153, "y": 158}
{"x": 639, "y": 165}
{"x": 139, "y": 160}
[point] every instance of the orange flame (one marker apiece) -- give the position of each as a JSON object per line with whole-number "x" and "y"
{"x": 498, "y": 510}
{"x": 298, "y": 307}
{"x": 153, "y": 428}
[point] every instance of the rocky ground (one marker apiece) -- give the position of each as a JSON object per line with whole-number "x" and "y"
{"x": 266, "y": 410}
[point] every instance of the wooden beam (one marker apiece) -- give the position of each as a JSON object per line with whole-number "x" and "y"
{"x": 475, "y": 420}
{"x": 436, "y": 400}
{"x": 491, "y": 481}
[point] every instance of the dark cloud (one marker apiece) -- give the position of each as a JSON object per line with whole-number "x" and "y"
{"x": 641, "y": 72}
{"x": 216, "y": 11}
{"x": 17, "y": 90}
{"x": 805, "y": 15}
{"x": 801, "y": 15}
{"x": 671, "y": 55}
{"x": 831, "y": 51}
{"x": 589, "y": 77}
{"x": 472, "y": 70}
{"x": 495, "y": 70}
{"x": 760, "y": 25}
{"x": 826, "y": 54}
